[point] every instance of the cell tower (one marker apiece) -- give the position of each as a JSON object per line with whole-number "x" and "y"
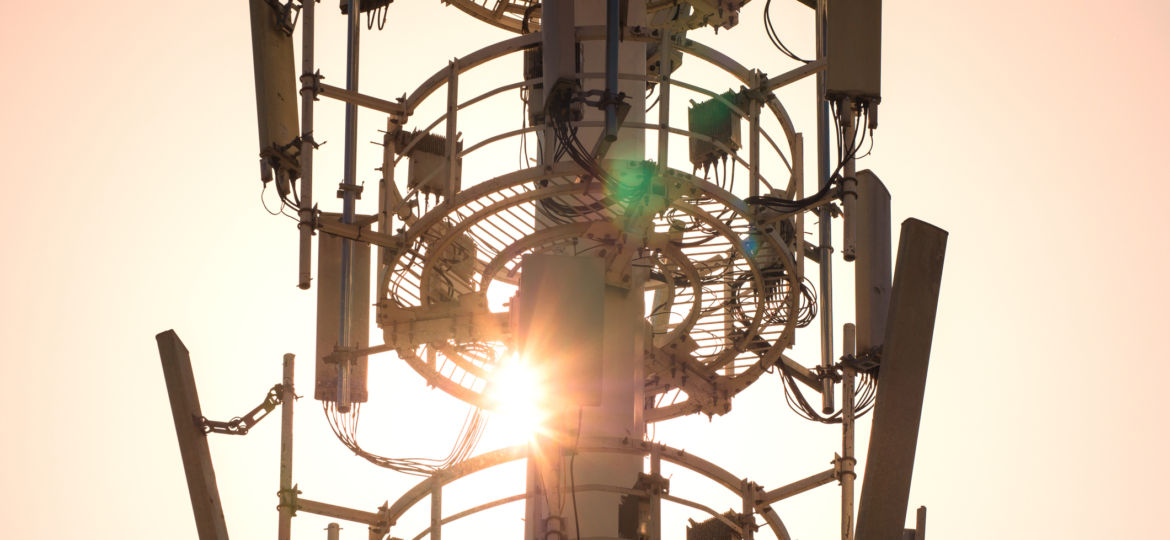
{"x": 650, "y": 257}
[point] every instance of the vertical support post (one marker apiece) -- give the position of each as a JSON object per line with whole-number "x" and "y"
{"x": 849, "y": 198}
{"x": 436, "y": 509}
{"x": 656, "y": 494}
{"x": 176, "y": 364}
{"x": 754, "y": 139}
{"x": 389, "y": 198}
{"x": 848, "y": 381}
{"x": 665, "y": 52}
{"x": 825, "y": 250}
{"x": 534, "y": 509}
{"x": 556, "y": 485}
{"x": 308, "y": 96}
{"x": 612, "y": 32}
{"x": 798, "y": 173}
{"x": 452, "y": 127}
{"x": 288, "y": 395}
{"x": 348, "y": 206}
{"x": 333, "y": 532}
{"x": 848, "y": 417}
{"x": 748, "y": 519}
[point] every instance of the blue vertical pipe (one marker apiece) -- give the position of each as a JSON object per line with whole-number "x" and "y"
{"x": 348, "y": 203}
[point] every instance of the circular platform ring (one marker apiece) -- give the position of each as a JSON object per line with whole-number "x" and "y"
{"x": 713, "y": 266}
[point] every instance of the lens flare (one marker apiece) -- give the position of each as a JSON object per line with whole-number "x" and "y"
{"x": 517, "y": 397}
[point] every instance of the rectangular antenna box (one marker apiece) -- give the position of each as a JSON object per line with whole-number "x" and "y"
{"x": 855, "y": 50}
{"x": 534, "y": 70}
{"x": 276, "y": 87}
{"x": 329, "y": 313}
{"x": 715, "y": 119}
{"x": 429, "y": 165}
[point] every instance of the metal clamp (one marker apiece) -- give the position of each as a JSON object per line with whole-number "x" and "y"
{"x": 653, "y": 484}
{"x": 605, "y": 98}
{"x": 342, "y": 188}
{"x": 286, "y": 14}
{"x": 288, "y": 499}
{"x": 382, "y": 528}
{"x": 866, "y": 362}
{"x": 313, "y": 84}
{"x": 832, "y": 373}
{"x": 558, "y": 532}
{"x": 341, "y": 355}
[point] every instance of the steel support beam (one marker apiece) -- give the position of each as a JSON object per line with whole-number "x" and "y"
{"x": 176, "y": 364}
{"x": 798, "y": 487}
{"x": 361, "y": 100}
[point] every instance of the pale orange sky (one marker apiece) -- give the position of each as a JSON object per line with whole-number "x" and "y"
{"x": 1032, "y": 131}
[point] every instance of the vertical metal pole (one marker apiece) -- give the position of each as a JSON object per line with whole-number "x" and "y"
{"x": 798, "y": 172}
{"x": 348, "y": 203}
{"x": 656, "y": 495}
{"x": 333, "y": 532}
{"x": 848, "y": 461}
{"x": 308, "y": 95}
{"x": 612, "y": 31}
{"x": 452, "y": 127}
{"x": 849, "y": 347}
{"x": 748, "y": 520}
{"x": 825, "y": 252}
{"x": 665, "y": 52}
{"x": 288, "y": 395}
{"x": 849, "y": 166}
{"x": 389, "y": 200}
{"x": 534, "y": 510}
{"x": 754, "y": 141}
{"x": 436, "y": 510}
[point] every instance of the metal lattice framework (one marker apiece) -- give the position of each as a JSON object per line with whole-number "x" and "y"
{"x": 720, "y": 332}
{"x": 704, "y": 276}
{"x": 726, "y": 278}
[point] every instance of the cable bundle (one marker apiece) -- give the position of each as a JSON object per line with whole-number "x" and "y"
{"x": 774, "y": 37}
{"x": 345, "y": 427}
{"x": 863, "y": 399}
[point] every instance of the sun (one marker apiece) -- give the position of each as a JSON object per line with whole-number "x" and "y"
{"x": 515, "y": 392}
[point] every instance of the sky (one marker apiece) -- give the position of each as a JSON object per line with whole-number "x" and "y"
{"x": 1028, "y": 130}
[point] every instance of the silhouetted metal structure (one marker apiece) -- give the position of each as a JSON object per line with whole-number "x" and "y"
{"x": 640, "y": 291}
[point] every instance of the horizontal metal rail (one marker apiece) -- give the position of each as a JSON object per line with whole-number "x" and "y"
{"x": 340, "y": 512}
{"x": 474, "y": 510}
{"x": 799, "y": 486}
{"x": 760, "y": 505}
{"x": 362, "y": 100}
